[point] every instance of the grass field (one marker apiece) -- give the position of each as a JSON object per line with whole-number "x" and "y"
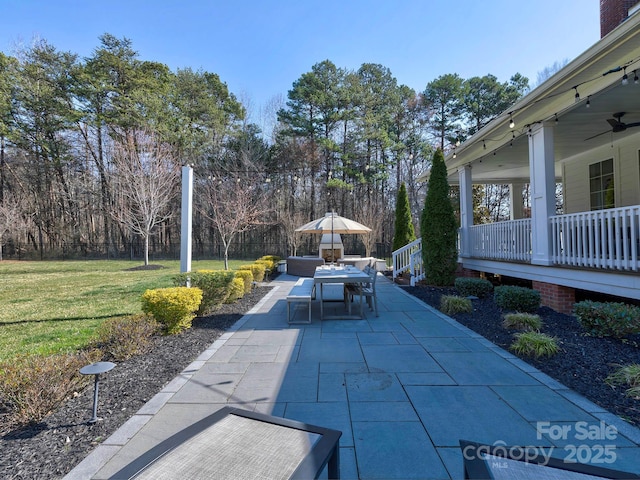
{"x": 48, "y": 307}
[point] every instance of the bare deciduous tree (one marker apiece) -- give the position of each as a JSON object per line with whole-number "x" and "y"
{"x": 146, "y": 179}
{"x": 11, "y": 218}
{"x": 370, "y": 216}
{"x": 235, "y": 204}
{"x": 289, "y": 221}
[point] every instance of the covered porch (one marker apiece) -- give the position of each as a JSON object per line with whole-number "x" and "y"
{"x": 575, "y": 142}
{"x": 570, "y": 153}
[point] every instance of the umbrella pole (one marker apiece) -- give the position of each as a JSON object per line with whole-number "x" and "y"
{"x": 333, "y": 252}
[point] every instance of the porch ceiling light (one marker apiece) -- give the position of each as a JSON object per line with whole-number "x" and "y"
{"x": 625, "y": 77}
{"x": 511, "y": 123}
{"x": 577, "y": 95}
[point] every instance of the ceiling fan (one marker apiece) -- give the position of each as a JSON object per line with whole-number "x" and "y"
{"x": 616, "y": 125}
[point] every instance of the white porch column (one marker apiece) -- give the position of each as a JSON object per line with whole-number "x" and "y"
{"x": 186, "y": 219}
{"x": 516, "y": 209}
{"x": 541, "y": 167}
{"x": 466, "y": 209}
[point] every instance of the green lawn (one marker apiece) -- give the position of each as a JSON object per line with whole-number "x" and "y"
{"x": 48, "y": 307}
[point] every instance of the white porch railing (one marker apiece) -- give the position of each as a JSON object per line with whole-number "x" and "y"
{"x": 409, "y": 259}
{"x": 509, "y": 240}
{"x": 601, "y": 239}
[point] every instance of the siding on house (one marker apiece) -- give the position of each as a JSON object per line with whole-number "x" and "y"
{"x": 626, "y": 167}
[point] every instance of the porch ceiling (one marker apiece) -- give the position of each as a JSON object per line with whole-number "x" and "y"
{"x": 506, "y": 156}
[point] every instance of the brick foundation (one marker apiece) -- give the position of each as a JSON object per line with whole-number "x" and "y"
{"x": 556, "y": 297}
{"x": 467, "y": 273}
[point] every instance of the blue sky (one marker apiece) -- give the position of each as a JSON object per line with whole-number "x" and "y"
{"x": 260, "y": 47}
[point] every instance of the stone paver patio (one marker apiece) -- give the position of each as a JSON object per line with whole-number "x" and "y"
{"x": 403, "y": 388}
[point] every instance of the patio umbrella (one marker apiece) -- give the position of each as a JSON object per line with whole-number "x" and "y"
{"x": 333, "y": 223}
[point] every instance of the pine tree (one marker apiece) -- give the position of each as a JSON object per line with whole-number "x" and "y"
{"x": 438, "y": 227}
{"x": 404, "y": 231}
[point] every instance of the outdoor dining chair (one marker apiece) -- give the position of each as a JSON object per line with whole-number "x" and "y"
{"x": 368, "y": 290}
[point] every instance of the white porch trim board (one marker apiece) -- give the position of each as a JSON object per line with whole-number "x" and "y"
{"x": 611, "y": 283}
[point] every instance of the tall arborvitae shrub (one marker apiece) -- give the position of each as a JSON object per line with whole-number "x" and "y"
{"x": 404, "y": 231}
{"x": 438, "y": 227}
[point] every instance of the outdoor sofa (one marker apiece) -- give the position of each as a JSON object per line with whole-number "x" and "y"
{"x": 303, "y": 266}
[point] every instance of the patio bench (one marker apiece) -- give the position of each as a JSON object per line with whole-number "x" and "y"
{"x": 302, "y": 292}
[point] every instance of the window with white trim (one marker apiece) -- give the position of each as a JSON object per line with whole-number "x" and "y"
{"x": 601, "y": 185}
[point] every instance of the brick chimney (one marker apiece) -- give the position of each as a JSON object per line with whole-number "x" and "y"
{"x": 613, "y": 13}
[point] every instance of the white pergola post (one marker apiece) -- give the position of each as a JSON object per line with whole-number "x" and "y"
{"x": 542, "y": 173}
{"x": 466, "y": 209}
{"x": 186, "y": 219}
{"x": 516, "y": 202}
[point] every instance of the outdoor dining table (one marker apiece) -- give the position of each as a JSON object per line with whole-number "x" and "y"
{"x": 338, "y": 274}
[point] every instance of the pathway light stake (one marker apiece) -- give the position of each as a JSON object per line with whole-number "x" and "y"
{"x": 96, "y": 369}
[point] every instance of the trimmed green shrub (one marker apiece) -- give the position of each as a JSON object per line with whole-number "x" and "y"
{"x": 173, "y": 307}
{"x": 608, "y": 319}
{"x": 535, "y": 344}
{"x": 522, "y": 321}
{"x": 256, "y": 269}
{"x": 236, "y": 290}
{"x": 268, "y": 265}
{"x": 274, "y": 259}
{"x": 33, "y": 386}
{"x": 518, "y": 299}
{"x": 439, "y": 227}
{"x": 122, "y": 338}
{"x": 477, "y": 287}
{"x": 247, "y": 278}
{"x": 404, "y": 231}
{"x": 451, "y": 304}
{"x": 214, "y": 284}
